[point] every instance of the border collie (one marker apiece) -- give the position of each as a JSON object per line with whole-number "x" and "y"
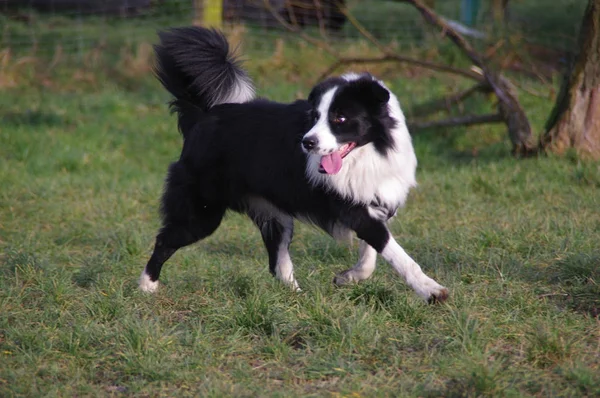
{"x": 342, "y": 160}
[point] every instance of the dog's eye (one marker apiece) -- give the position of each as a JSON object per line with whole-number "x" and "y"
{"x": 339, "y": 119}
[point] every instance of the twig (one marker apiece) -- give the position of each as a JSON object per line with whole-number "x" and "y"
{"x": 457, "y": 121}
{"x": 446, "y": 102}
{"x": 321, "y": 18}
{"x": 291, "y": 13}
{"x": 552, "y": 294}
{"x": 431, "y": 17}
{"x": 361, "y": 29}
{"x": 529, "y": 90}
{"x": 296, "y": 29}
{"x": 400, "y": 58}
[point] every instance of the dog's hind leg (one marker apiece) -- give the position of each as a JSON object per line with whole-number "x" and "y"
{"x": 363, "y": 269}
{"x": 277, "y": 236}
{"x": 187, "y": 218}
{"x": 149, "y": 279}
{"x": 171, "y": 238}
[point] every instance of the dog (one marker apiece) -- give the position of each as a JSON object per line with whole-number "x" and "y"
{"x": 341, "y": 160}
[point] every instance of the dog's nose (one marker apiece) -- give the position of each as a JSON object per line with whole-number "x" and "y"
{"x": 309, "y": 143}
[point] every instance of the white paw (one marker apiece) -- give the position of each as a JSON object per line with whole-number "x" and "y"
{"x": 294, "y": 285}
{"x": 431, "y": 291}
{"x": 288, "y": 280}
{"x": 146, "y": 285}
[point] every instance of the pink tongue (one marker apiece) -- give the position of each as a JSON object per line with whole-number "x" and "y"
{"x": 332, "y": 163}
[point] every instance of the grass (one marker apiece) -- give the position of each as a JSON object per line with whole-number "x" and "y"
{"x": 83, "y": 152}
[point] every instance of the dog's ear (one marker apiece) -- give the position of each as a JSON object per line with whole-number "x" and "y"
{"x": 379, "y": 93}
{"x": 371, "y": 91}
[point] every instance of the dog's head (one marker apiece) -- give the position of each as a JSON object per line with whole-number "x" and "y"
{"x": 348, "y": 112}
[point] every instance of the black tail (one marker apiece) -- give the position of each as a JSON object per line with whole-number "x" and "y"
{"x": 195, "y": 65}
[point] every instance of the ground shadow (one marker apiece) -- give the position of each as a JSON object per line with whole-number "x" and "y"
{"x": 575, "y": 280}
{"x": 440, "y": 148}
{"x": 33, "y": 118}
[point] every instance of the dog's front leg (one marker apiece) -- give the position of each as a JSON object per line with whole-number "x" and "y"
{"x": 422, "y": 284}
{"x": 376, "y": 234}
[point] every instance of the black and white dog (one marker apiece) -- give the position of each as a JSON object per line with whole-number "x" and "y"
{"x": 343, "y": 160}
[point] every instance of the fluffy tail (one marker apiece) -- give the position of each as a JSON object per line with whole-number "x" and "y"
{"x": 196, "y": 66}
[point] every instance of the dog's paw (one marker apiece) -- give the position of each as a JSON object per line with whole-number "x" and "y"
{"x": 344, "y": 278}
{"x": 428, "y": 289}
{"x": 146, "y": 284}
{"x": 438, "y": 297}
{"x": 290, "y": 283}
{"x": 295, "y": 287}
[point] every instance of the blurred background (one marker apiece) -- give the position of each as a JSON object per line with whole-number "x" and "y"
{"x": 76, "y": 26}
{"x": 533, "y": 36}
{"x": 67, "y": 48}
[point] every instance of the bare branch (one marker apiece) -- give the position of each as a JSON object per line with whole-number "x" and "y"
{"x": 361, "y": 29}
{"x": 295, "y": 28}
{"x": 519, "y": 129}
{"x": 320, "y": 18}
{"x": 402, "y": 59}
{"x": 431, "y": 17}
{"x": 447, "y": 102}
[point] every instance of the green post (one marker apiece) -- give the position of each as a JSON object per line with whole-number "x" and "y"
{"x": 469, "y": 10}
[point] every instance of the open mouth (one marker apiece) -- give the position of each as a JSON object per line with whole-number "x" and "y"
{"x": 332, "y": 163}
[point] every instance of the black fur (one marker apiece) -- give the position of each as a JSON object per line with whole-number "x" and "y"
{"x": 234, "y": 153}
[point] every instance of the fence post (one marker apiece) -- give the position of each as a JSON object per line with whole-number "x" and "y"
{"x": 209, "y": 13}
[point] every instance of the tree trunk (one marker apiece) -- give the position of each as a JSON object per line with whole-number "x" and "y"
{"x": 575, "y": 119}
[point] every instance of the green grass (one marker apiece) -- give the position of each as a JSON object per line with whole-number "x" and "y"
{"x": 83, "y": 153}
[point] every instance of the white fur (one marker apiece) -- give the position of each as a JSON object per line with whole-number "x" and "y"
{"x": 261, "y": 209}
{"x": 243, "y": 91}
{"x": 284, "y": 269}
{"x": 147, "y": 285}
{"x": 379, "y": 213}
{"x": 327, "y": 143}
{"x": 423, "y": 285}
{"x": 363, "y": 269}
{"x": 366, "y": 174}
{"x": 351, "y": 76}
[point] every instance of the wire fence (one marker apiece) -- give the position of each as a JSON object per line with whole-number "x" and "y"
{"x": 77, "y": 26}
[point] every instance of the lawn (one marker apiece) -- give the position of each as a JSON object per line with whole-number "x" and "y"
{"x": 83, "y": 153}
